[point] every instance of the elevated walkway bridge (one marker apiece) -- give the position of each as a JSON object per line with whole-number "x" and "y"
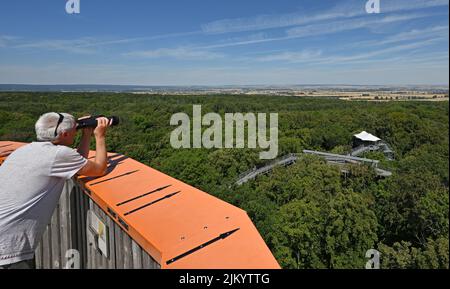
{"x": 334, "y": 159}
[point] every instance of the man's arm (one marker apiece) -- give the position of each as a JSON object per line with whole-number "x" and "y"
{"x": 97, "y": 167}
{"x": 83, "y": 147}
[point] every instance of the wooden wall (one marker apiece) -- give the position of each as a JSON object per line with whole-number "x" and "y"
{"x": 69, "y": 230}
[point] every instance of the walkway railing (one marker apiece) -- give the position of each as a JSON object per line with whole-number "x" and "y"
{"x": 292, "y": 158}
{"x": 253, "y": 173}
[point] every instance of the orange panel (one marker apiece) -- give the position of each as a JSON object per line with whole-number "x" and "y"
{"x": 7, "y": 147}
{"x": 177, "y": 224}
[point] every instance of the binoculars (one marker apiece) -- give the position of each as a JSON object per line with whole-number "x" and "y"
{"x": 92, "y": 121}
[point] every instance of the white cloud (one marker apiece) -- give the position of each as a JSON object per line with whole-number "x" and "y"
{"x": 438, "y": 33}
{"x": 81, "y": 46}
{"x": 318, "y": 58}
{"x": 293, "y": 57}
{"x": 180, "y": 53}
{"x": 6, "y": 40}
{"x": 407, "y": 5}
{"x": 340, "y": 10}
{"x": 263, "y": 22}
{"x": 435, "y": 31}
{"x": 349, "y": 24}
{"x": 86, "y": 45}
{"x": 317, "y": 29}
{"x": 371, "y": 56}
{"x": 141, "y": 39}
{"x": 236, "y": 41}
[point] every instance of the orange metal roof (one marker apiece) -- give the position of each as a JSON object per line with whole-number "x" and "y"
{"x": 7, "y": 147}
{"x": 178, "y": 225}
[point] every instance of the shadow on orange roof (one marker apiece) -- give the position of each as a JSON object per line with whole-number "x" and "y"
{"x": 178, "y": 225}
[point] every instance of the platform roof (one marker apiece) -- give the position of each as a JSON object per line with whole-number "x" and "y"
{"x": 179, "y": 225}
{"x": 365, "y": 136}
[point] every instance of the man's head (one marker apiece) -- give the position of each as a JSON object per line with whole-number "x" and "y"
{"x": 58, "y": 128}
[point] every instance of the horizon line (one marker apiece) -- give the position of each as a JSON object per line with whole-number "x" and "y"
{"x": 223, "y": 85}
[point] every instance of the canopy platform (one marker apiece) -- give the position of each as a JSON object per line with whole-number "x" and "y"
{"x": 365, "y": 142}
{"x": 366, "y": 137}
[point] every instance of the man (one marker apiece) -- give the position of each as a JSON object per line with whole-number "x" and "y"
{"x": 32, "y": 178}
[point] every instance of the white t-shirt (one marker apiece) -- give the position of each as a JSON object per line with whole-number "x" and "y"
{"x": 31, "y": 181}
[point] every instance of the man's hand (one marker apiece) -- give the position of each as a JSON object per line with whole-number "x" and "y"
{"x": 102, "y": 125}
{"x": 86, "y": 131}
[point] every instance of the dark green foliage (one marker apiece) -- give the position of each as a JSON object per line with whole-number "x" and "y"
{"x": 310, "y": 214}
{"x": 433, "y": 255}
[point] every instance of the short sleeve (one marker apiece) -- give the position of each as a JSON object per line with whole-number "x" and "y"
{"x": 67, "y": 163}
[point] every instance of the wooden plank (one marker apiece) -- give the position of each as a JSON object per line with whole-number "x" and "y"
{"x": 106, "y": 220}
{"x": 73, "y": 219}
{"x": 127, "y": 251}
{"x": 106, "y": 259}
{"x": 81, "y": 227}
{"x": 83, "y": 217}
{"x": 63, "y": 226}
{"x": 90, "y": 254}
{"x": 95, "y": 254}
{"x": 118, "y": 246}
{"x": 137, "y": 255}
{"x": 100, "y": 258}
{"x": 38, "y": 256}
{"x": 90, "y": 244}
{"x": 156, "y": 265}
{"x": 76, "y": 224}
{"x": 46, "y": 249}
{"x": 92, "y": 249}
{"x": 65, "y": 222}
{"x": 149, "y": 262}
{"x": 55, "y": 248}
{"x": 111, "y": 263}
{"x": 146, "y": 261}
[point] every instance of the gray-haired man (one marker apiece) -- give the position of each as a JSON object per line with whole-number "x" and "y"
{"x": 32, "y": 178}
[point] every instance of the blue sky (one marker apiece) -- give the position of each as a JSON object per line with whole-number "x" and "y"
{"x": 211, "y": 42}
